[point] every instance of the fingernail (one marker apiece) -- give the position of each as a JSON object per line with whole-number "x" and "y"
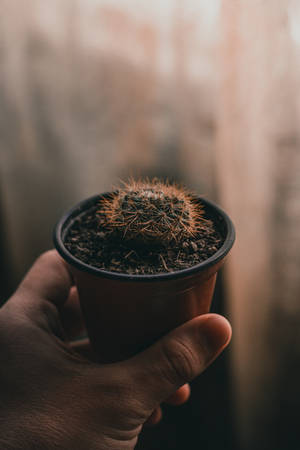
{"x": 216, "y": 333}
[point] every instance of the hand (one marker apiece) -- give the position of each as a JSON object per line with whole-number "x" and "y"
{"x": 53, "y": 396}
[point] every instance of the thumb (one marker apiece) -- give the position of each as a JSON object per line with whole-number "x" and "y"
{"x": 178, "y": 357}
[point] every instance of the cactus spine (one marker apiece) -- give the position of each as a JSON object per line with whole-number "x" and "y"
{"x": 152, "y": 212}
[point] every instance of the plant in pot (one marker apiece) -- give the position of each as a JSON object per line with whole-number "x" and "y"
{"x": 144, "y": 258}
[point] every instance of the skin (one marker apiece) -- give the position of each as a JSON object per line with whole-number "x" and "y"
{"x": 53, "y": 395}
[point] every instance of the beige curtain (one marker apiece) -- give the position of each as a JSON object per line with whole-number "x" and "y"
{"x": 258, "y": 161}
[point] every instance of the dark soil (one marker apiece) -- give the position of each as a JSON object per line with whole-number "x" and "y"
{"x": 89, "y": 241}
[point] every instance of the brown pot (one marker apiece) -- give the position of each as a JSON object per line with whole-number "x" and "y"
{"x": 126, "y": 313}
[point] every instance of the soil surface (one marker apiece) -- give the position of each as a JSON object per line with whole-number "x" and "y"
{"x": 89, "y": 241}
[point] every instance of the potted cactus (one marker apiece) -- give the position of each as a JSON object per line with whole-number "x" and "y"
{"x": 144, "y": 259}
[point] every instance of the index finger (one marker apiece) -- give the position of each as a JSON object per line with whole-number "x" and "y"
{"x": 48, "y": 279}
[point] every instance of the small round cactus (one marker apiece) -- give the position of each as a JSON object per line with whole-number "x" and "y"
{"x": 152, "y": 212}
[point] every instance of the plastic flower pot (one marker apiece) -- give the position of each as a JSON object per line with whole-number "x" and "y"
{"x": 125, "y": 313}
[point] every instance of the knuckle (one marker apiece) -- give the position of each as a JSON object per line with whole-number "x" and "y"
{"x": 182, "y": 361}
{"x": 47, "y": 313}
{"x": 46, "y": 317}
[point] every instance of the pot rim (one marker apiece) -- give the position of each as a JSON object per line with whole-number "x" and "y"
{"x": 80, "y": 265}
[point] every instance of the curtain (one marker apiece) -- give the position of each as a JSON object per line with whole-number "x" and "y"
{"x": 258, "y": 163}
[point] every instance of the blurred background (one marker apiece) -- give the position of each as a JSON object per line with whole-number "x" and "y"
{"x": 206, "y": 92}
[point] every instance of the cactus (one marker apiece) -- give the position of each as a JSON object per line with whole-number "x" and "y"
{"x": 152, "y": 212}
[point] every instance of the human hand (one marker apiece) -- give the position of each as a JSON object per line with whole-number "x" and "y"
{"x": 54, "y": 396}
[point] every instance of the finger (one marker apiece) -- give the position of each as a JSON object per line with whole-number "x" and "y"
{"x": 44, "y": 290}
{"x": 155, "y": 417}
{"x": 71, "y": 316}
{"x": 48, "y": 279}
{"x": 83, "y": 348}
{"x": 178, "y": 357}
{"x": 180, "y": 396}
